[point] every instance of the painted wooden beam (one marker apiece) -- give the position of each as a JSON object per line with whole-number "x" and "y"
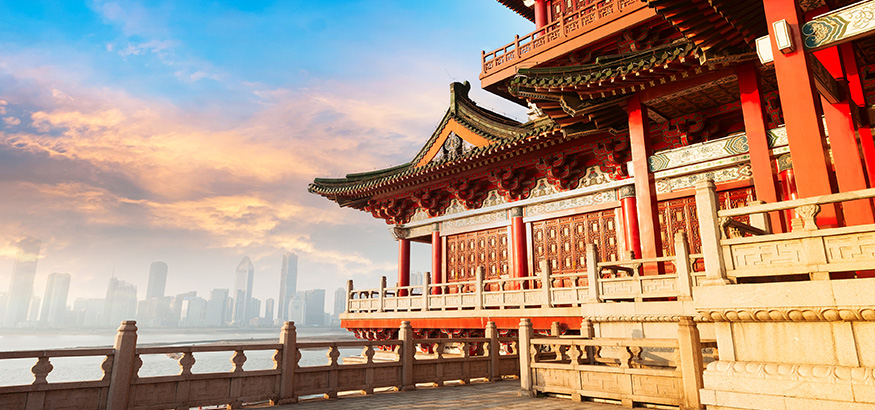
{"x": 839, "y": 26}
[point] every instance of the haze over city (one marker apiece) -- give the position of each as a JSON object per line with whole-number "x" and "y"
{"x": 186, "y": 133}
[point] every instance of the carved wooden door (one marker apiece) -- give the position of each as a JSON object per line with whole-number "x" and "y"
{"x": 679, "y": 215}
{"x": 487, "y": 248}
{"x": 562, "y": 241}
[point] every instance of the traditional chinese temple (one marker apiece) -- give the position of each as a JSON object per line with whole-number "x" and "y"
{"x": 704, "y": 158}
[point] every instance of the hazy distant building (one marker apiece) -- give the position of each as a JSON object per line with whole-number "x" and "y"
{"x": 254, "y": 309}
{"x": 296, "y": 309}
{"x": 288, "y": 285}
{"x": 89, "y": 312}
{"x": 192, "y": 314}
{"x": 216, "y": 310}
{"x": 55, "y": 299}
{"x": 157, "y": 280}
{"x": 4, "y": 297}
{"x": 21, "y": 286}
{"x": 314, "y": 307}
{"x": 268, "y": 308}
{"x": 121, "y": 302}
{"x": 156, "y": 312}
{"x": 243, "y": 311}
{"x": 339, "y": 304}
{"x": 33, "y": 309}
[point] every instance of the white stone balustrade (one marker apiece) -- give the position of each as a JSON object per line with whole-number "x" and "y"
{"x": 122, "y": 388}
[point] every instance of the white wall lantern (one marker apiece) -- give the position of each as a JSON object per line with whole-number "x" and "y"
{"x": 764, "y": 50}
{"x": 782, "y": 36}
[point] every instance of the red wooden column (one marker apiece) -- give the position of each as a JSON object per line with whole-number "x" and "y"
{"x": 852, "y": 74}
{"x": 801, "y": 116}
{"x": 628, "y": 206}
{"x": 541, "y": 13}
{"x": 403, "y": 264}
{"x": 788, "y": 184}
{"x": 518, "y": 240}
{"x": 847, "y": 161}
{"x": 437, "y": 262}
{"x": 758, "y": 139}
{"x": 645, "y": 186}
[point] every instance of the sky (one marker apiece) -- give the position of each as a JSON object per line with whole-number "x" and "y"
{"x": 187, "y": 132}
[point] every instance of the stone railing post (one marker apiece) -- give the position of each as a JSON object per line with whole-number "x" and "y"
{"x": 682, "y": 266}
{"x": 592, "y": 272}
{"x": 587, "y": 331}
{"x": 426, "y": 281}
{"x": 349, "y": 290}
{"x": 690, "y": 349}
{"x": 760, "y": 220}
{"x": 288, "y": 338}
{"x": 525, "y": 351}
{"x": 405, "y": 334}
{"x": 382, "y": 295}
{"x": 492, "y": 335}
{"x": 545, "y": 283}
{"x": 125, "y": 347}
{"x": 709, "y": 227}
{"x": 478, "y": 288}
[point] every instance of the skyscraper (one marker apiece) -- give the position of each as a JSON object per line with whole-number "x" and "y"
{"x": 157, "y": 280}
{"x": 121, "y": 302}
{"x": 217, "y": 307}
{"x": 55, "y": 300}
{"x": 314, "y": 307}
{"x": 288, "y": 285}
{"x": 243, "y": 291}
{"x": 21, "y": 287}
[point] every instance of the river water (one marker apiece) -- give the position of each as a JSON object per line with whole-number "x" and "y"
{"x": 17, "y": 371}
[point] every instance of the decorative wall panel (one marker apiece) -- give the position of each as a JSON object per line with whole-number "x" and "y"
{"x": 679, "y": 215}
{"x": 487, "y": 248}
{"x": 562, "y": 241}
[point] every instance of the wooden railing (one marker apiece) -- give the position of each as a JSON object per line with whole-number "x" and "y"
{"x": 121, "y": 386}
{"x": 654, "y": 371}
{"x": 591, "y": 16}
{"x": 735, "y": 250}
{"x": 602, "y": 281}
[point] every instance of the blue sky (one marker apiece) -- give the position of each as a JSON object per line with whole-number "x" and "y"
{"x": 187, "y": 132}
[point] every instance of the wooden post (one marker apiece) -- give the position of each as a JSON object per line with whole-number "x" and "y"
{"x": 526, "y": 333}
{"x": 682, "y": 266}
{"x": 478, "y": 287}
{"x": 709, "y": 227}
{"x": 545, "y": 283}
{"x": 426, "y": 281}
{"x": 382, "y": 294}
{"x": 494, "y": 369}
{"x": 125, "y": 347}
{"x": 405, "y": 334}
{"x": 437, "y": 260}
{"x": 288, "y": 338}
{"x": 629, "y": 207}
{"x": 690, "y": 349}
{"x": 403, "y": 266}
{"x": 645, "y": 184}
{"x": 520, "y": 250}
{"x": 592, "y": 272}
{"x": 349, "y": 290}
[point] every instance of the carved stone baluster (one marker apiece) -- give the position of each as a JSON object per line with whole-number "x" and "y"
{"x": 808, "y": 213}
{"x": 636, "y": 354}
{"x": 277, "y": 359}
{"x": 332, "y": 354}
{"x": 106, "y": 366}
{"x": 574, "y": 355}
{"x": 625, "y": 357}
{"x": 136, "y": 365}
{"x": 41, "y": 370}
{"x": 238, "y": 359}
{"x": 185, "y": 363}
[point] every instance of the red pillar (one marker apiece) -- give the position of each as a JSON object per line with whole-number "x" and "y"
{"x": 758, "y": 139}
{"x": 801, "y": 116}
{"x": 628, "y": 206}
{"x": 437, "y": 262}
{"x": 403, "y": 264}
{"x": 852, "y": 74}
{"x": 540, "y": 13}
{"x": 645, "y": 186}
{"x": 788, "y": 185}
{"x": 847, "y": 161}
{"x": 518, "y": 239}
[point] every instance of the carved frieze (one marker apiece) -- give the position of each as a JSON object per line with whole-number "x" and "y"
{"x": 493, "y": 199}
{"x": 737, "y": 173}
{"x": 434, "y": 202}
{"x": 562, "y": 170}
{"x": 475, "y": 220}
{"x": 796, "y": 372}
{"x": 543, "y": 188}
{"x": 789, "y": 314}
{"x": 470, "y": 193}
{"x": 583, "y": 200}
{"x": 513, "y": 183}
{"x": 698, "y": 153}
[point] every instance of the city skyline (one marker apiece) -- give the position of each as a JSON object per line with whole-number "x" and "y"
{"x": 124, "y": 142}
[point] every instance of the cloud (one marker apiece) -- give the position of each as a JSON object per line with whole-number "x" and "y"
{"x": 11, "y": 121}
{"x": 3, "y": 105}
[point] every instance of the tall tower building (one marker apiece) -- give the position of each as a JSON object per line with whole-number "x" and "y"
{"x": 243, "y": 291}
{"x": 157, "y": 280}
{"x": 314, "y": 307}
{"x": 216, "y": 307}
{"x": 288, "y": 285}
{"x": 55, "y": 299}
{"x": 21, "y": 287}
{"x": 121, "y": 302}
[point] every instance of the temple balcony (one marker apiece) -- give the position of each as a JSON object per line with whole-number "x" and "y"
{"x": 591, "y": 21}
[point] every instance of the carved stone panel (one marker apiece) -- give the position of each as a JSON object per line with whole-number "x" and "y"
{"x": 850, "y": 248}
{"x": 765, "y": 255}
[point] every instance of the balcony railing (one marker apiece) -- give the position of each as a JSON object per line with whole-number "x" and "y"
{"x": 601, "y": 282}
{"x": 592, "y": 15}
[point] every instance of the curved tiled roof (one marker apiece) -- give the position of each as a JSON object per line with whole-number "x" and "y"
{"x": 520, "y": 8}
{"x": 502, "y": 132}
